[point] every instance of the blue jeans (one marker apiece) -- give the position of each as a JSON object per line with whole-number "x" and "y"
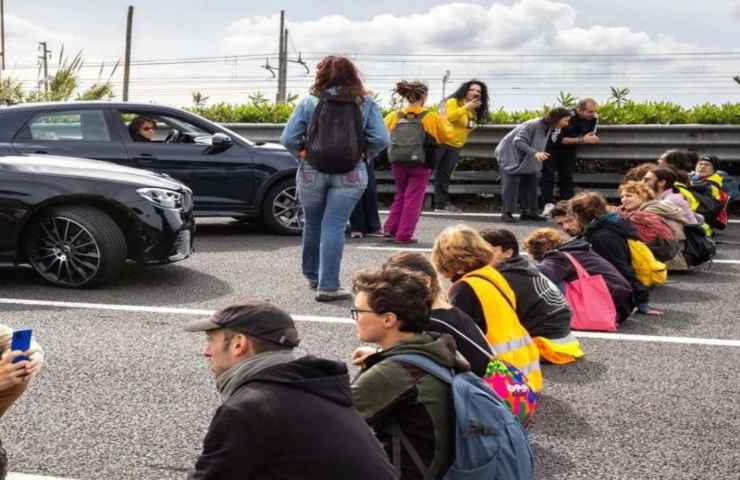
{"x": 327, "y": 200}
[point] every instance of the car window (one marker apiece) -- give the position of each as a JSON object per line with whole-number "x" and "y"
{"x": 165, "y": 124}
{"x": 70, "y": 125}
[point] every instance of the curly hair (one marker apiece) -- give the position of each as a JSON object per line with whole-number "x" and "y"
{"x": 399, "y": 291}
{"x": 542, "y": 241}
{"x": 412, "y": 91}
{"x": 340, "y": 72}
{"x": 416, "y": 262}
{"x": 641, "y": 189}
{"x": 587, "y": 207}
{"x": 482, "y": 111}
{"x": 460, "y": 249}
{"x": 636, "y": 174}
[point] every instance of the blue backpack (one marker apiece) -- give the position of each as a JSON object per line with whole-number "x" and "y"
{"x": 490, "y": 443}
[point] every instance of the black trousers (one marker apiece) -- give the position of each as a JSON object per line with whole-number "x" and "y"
{"x": 445, "y": 162}
{"x": 365, "y": 217}
{"x": 563, "y": 165}
{"x": 519, "y": 190}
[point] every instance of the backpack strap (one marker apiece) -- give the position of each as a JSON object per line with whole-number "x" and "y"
{"x": 399, "y": 438}
{"x": 465, "y": 337}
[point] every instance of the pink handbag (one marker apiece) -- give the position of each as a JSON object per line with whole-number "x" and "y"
{"x": 590, "y": 301}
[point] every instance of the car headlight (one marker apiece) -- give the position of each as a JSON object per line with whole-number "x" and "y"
{"x": 162, "y": 197}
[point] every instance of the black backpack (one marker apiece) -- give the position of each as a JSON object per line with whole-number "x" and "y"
{"x": 335, "y": 139}
{"x": 699, "y": 248}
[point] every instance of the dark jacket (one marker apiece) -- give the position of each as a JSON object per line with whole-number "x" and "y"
{"x": 292, "y": 421}
{"x": 387, "y": 393}
{"x": 469, "y": 339}
{"x": 540, "y": 305}
{"x": 558, "y": 268}
{"x": 577, "y": 127}
{"x": 608, "y": 237}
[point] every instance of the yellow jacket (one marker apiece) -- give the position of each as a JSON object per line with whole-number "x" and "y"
{"x": 461, "y": 120}
{"x": 433, "y": 123}
{"x": 508, "y": 338}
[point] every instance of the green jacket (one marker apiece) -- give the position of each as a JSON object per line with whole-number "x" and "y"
{"x": 387, "y": 392}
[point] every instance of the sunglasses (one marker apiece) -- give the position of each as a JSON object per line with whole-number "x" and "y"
{"x": 151, "y": 129}
{"x": 355, "y": 312}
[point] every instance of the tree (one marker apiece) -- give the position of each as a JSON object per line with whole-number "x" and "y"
{"x": 566, "y": 99}
{"x": 619, "y": 95}
{"x": 199, "y": 100}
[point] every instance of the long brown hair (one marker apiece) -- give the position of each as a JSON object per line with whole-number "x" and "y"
{"x": 340, "y": 72}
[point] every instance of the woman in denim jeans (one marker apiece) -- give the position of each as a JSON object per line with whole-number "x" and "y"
{"x": 328, "y": 199}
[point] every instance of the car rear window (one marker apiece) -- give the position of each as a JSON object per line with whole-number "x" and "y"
{"x": 71, "y": 125}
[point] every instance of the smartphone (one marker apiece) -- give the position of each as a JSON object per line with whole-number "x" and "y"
{"x": 21, "y": 341}
{"x": 596, "y": 126}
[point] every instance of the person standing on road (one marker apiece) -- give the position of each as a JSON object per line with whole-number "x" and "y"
{"x": 581, "y": 130}
{"x": 415, "y": 136}
{"x": 282, "y": 416}
{"x": 465, "y": 110}
{"x": 520, "y": 155}
{"x": 332, "y": 133}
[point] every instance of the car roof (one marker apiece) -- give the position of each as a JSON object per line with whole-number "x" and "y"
{"x": 82, "y": 105}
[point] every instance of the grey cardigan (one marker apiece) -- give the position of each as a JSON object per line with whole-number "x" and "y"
{"x": 515, "y": 153}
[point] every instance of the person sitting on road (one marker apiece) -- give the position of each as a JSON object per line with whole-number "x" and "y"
{"x": 446, "y": 318}
{"x": 402, "y": 403}
{"x": 567, "y": 222}
{"x": 637, "y": 174}
{"x": 15, "y": 377}
{"x": 282, "y": 416}
{"x": 608, "y": 235}
{"x": 461, "y": 255}
{"x": 546, "y": 246}
{"x": 540, "y": 305}
{"x": 662, "y": 181}
{"x": 142, "y": 129}
{"x": 520, "y": 155}
{"x": 659, "y": 224}
{"x": 682, "y": 161}
{"x": 707, "y": 170}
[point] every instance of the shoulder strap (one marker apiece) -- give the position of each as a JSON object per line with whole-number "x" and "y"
{"x": 580, "y": 271}
{"x": 506, "y": 297}
{"x": 426, "y": 364}
{"x": 465, "y": 337}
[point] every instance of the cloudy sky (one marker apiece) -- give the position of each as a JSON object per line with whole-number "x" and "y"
{"x": 527, "y": 50}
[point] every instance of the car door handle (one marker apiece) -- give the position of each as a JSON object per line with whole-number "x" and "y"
{"x": 40, "y": 151}
{"x": 145, "y": 158}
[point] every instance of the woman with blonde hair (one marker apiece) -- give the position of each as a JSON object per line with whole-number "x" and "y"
{"x": 461, "y": 255}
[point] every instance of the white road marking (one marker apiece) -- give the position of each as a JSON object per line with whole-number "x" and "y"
{"x": 25, "y": 476}
{"x": 473, "y": 214}
{"x": 732, "y": 262}
{"x": 717, "y": 342}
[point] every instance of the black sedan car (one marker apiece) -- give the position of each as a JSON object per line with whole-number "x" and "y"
{"x": 77, "y": 221}
{"x": 229, "y": 175}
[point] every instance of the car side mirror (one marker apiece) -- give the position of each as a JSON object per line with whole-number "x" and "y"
{"x": 219, "y": 143}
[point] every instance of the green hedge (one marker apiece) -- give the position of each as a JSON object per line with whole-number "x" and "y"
{"x": 628, "y": 113}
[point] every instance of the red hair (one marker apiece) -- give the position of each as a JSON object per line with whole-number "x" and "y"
{"x": 339, "y": 72}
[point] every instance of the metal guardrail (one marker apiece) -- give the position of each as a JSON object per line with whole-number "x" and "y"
{"x": 619, "y": 143}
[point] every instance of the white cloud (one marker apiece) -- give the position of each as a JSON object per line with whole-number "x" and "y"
{"x": 527, "y": 25}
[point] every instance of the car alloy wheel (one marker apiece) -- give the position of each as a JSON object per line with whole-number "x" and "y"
{"x": 287, "y": 210}
{"x": 64, "y": 252}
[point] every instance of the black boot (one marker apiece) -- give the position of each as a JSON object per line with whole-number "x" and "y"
{"x": 507, "y": 217}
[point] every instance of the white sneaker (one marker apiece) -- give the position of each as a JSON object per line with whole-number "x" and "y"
{"x": 548, "y": 208}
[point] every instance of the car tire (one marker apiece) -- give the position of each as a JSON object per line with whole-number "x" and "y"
{"x": 76, "y": 247}
{"x": 281, "y": 210}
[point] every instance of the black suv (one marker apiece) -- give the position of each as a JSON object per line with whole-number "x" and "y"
{"x": 77, "y": 221}
{"x": 229, "y": 175}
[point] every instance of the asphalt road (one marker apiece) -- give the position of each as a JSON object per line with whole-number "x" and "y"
{"x": 126, "y": 394}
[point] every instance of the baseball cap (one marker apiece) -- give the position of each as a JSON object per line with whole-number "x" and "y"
{"x": 260, "y": 319}
{"x": 713, "y": 159}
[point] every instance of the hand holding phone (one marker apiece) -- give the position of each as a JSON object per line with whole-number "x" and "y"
{"x": 21, "y": 341}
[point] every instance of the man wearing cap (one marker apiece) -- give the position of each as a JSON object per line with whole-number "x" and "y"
{"x": 282, "y": 416}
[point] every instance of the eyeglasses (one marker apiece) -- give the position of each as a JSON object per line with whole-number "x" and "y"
{"x": 355, "y": 312}
{"x": 147, "y": 128}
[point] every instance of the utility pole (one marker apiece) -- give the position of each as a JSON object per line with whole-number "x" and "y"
{"x": 127, "y": 61}
{"x": 44, "y": 57}
{"x": 284, "y": 69}
{"x": 2, "y": 33}
{"x": 280, "y": 98}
